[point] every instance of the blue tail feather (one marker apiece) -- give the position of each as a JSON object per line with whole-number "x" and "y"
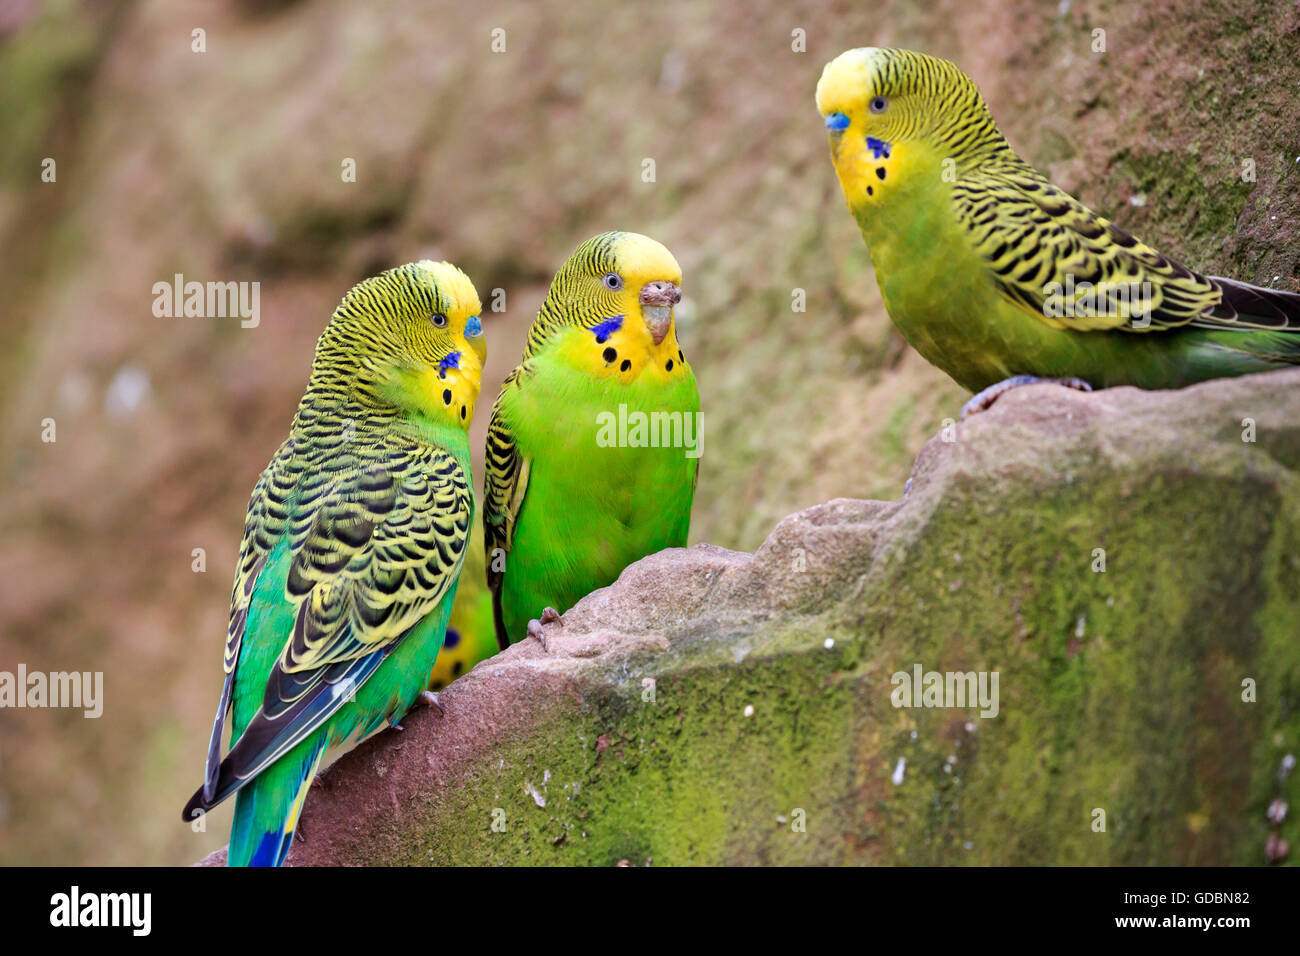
{"x": 267, "y": 809}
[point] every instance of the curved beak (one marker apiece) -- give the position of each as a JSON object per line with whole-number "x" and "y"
{"x": 836, "y": 122}
{"x": 657, "y": 301}
{"x": 474, "y": 338}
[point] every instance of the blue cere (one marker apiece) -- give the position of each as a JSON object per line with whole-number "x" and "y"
{"x": 451, "y": 361}
{"x": 879, "y": 148}
{"x": 473, "y": 326}
{"x": 607, "y": 328}
{"x": 837, "y": 122}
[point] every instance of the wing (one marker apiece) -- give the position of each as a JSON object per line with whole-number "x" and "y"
{"x": 505, "y": 483}
{"x": 264, "y": 524}
{"x": 383, "y": 543}
{"x": 1033, "y": 235}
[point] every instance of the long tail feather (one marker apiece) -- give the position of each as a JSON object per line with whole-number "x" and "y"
{"x": 267, "y": 809}
{"x": 265, "y": 741}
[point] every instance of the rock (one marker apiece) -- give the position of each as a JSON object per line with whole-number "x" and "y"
{"x": 717, "y": 707}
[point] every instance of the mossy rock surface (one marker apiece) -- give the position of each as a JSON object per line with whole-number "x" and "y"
{"x": 718, "y": 707}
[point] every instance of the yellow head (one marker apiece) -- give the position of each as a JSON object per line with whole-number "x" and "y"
{"x": 896, "y": 115}
{"x": 409, "y": 337}
{"x": 610, "y": 309}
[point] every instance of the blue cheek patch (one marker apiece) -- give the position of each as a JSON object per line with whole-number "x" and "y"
{"x": 473, "y": 326}
{"x": 606, "y": 328}
{"x": 450, "y": 361}
{"x": 837, "y": 122}
{"x": 879, "y": 148}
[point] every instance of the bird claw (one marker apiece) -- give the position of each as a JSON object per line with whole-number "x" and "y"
{"x": 535, "y": 632}
{"x": 549, "y": 616}
{"x": 984, "y": 399}
{"x": 426, "y": 697}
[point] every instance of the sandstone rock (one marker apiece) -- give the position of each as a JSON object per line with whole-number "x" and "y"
{"x": 716, "y": 707}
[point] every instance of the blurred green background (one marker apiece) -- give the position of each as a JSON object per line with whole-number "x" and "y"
{"x": 225, "y": 165}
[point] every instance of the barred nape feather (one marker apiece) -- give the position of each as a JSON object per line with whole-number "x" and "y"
{"x": 365, "y": 327}
{"x": 932, "y": 98}
{"x": 565, "y": 305}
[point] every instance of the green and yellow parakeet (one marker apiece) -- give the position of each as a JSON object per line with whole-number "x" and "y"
{"x": 1000, "y": 278}
{"x": 352, "y": 548}
{"x": 593, "y": 447}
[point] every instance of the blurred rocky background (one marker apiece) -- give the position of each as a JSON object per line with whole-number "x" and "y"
{"x": 225, "y": 165}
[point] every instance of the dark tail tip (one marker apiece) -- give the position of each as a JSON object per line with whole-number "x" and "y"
{"x": 198, "y": 805}
{"x": 1255, "y": 305}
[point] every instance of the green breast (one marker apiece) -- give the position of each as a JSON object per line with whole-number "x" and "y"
{"x": 612, "y": 478}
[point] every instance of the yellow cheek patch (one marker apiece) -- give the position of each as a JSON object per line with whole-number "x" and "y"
{"x": 624, "y": 351}
{"x": 867, "y": 167}
{"x": 451, "y": 390}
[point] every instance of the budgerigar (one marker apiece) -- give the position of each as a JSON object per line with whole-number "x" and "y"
{"x": 352, "y": 547}
{"x": 593, "y": 447}
{"x": 1000, "y": 278}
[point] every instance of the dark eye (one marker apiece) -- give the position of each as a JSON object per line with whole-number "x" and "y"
{"x": 439, "y": 320}
{"x": 612, "y": 281}
{"x": 878, "y": 104}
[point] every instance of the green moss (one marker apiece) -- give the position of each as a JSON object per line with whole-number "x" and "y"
{"x": 1200, "y": 213}
{"x": 685, "y": 778}
{"x": 1123, "y": 693}
{"x": 1120, "y": 692}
